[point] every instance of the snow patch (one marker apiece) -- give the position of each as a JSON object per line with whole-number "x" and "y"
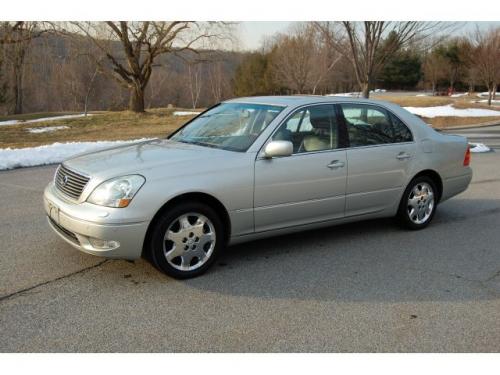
{"x": 46, "y": 129}
{"x": 349, "y": 94}
{"x": 42, "y": 119}
{"x": 450, "y": 111}
{"x": 479, "y": 147}
{"x": 459, "y": 94}
{"x": 186, "y": 113}
{"x": 54, "y": 153}
{"x": 422, "y": 95}
{"x": 483, "y": 94}
{"x": 486, "y": 101}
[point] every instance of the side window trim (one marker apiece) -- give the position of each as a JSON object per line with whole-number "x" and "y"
{"x": 342, "y": 132}
{"x": 303, "y": 110}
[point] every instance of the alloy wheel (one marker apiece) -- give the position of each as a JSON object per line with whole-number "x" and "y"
{"x": 420, "y": 203}
{"x": 189, "y": 241}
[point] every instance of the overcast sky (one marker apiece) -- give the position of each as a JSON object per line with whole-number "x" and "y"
{"x": 251, "y": 33}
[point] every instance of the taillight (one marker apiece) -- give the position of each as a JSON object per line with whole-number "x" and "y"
{"x": 467, "y": 157}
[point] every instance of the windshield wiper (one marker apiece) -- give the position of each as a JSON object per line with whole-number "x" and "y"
{"x": 198, "y": 143}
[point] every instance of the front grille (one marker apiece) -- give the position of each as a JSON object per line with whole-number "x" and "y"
{"x": 69, "y": 182}
{"x": 66, "y": 233}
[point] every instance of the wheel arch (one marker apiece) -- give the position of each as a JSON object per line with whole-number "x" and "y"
{"x": 199, "y": 197}
{"x": 436, "y": 178}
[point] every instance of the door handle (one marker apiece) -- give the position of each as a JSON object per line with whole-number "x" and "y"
{"x": 336, "y": 164}
{"x": 403, "y": 155}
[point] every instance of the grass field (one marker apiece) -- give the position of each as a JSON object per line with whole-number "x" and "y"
{"x": 160, "y": 122}
{"x": 431, "y": 101}
{"x": 443, "y": 122}
{"x": 33, "y": 116}
{"x": 100, "y": 126}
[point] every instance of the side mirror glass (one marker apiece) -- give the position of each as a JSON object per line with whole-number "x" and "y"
{"x": 278, "y": 149}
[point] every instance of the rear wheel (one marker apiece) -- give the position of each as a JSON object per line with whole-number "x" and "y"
{"x": 186, "y": 240}
{"x": 418, "y": 203}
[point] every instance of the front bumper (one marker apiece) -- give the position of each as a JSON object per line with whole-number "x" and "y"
{"x": 73, "y": 223}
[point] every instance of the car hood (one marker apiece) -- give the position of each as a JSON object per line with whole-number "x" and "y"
{"x": 139, "y": 157}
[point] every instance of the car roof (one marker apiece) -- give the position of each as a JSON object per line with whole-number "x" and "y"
{"x": 298, "y": 100}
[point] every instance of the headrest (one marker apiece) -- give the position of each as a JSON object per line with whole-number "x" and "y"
{"x": 320, "y": 118}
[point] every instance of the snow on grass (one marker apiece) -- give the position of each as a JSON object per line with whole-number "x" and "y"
{"x": 483, "y": 94}
{"x": 459, "y": 94}
{"x": 53, "y": 153}
{"x": 186, "y": 113}
{"x": 41, "y": 119}
{"x": 486, "y": 101}
{"x": 450, "y": 111}
{"x": 478, "y": 147}
{"x": 349, "y": 94}
{"x": 47, "y": 129}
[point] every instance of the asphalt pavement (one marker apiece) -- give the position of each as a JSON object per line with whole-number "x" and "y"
{"x": 362, "y": 287}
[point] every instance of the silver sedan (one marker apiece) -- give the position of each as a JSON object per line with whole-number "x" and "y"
{"x": 251, "y": 168}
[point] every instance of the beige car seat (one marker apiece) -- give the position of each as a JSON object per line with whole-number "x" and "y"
{"x": 325, "y": 135}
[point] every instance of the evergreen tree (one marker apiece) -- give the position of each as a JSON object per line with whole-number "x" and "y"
{"x": 252, "y": 76}
{"x": 403, "y": 71}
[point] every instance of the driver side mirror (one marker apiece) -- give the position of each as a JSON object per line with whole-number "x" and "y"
{"x": 278, "y": 149}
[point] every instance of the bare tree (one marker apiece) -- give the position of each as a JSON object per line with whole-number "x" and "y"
{"x": 433, "y": 69}
{"x": 290, "y": 61}
{"x": 487, "y": 58}
{"x": 89, "y": 90}
{"x": 369, "y": 45}
{"x": 324, "y": 61}
{"x": 301, "y": 61}
{"x": 194, "y": 82}
{"x": 216, "y": 79}
{"x": 157, "y": 83}
{"x": 16, "y": 38}
{"x": 140, "y": 43}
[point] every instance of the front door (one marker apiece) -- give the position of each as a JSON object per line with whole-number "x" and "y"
{"x": 308, "y": 186}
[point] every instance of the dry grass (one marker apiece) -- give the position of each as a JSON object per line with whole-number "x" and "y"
{"x": 102, "y": 126}
{"x": 109, "y": 126}
{"x": 417, "y": 101}
{"x": 32, "y": 116}
{"x": 443, "y": 122}
{"x": 446, "y": 122}
{"x": 432, "y": 101}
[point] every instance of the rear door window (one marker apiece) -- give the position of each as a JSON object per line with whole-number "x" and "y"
{"x": 371, "y": 125}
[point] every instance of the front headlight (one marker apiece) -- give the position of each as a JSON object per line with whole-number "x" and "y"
{"x": 117, "y": 192}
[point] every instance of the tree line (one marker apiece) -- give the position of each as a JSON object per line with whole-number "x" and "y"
{"x": 332, "y": 57}
{"x": 81, "y": 66}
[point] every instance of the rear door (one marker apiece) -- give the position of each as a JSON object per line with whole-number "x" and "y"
{"x": 308, "y": 186}
{"x": 380, "y": 157}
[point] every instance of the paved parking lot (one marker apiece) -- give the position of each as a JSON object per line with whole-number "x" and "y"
{"x": 366, "y": 286}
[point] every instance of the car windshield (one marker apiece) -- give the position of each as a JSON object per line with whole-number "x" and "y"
{"x": 229, "y": 126}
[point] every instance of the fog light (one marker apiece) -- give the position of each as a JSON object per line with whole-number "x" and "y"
{"x": 103, "y": 244}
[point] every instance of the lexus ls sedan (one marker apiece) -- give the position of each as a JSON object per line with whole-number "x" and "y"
{"x": 251, "y": 168}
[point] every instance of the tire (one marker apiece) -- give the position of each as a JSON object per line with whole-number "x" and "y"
{"x": 186, "y": 240}
{"x": 418, "y": 203}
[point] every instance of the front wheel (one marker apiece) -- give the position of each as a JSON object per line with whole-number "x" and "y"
{"x": 186, "y": 240}
{"x": 418, "y": 203}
